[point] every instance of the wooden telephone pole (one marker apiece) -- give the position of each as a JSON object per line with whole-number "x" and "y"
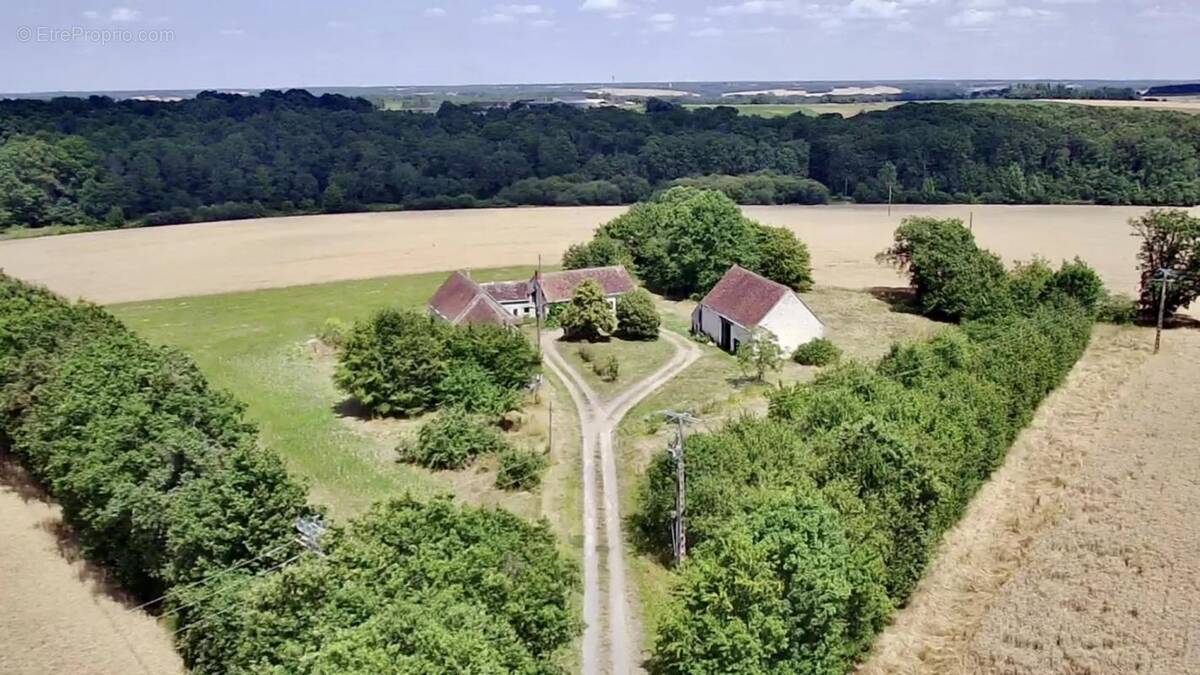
{"x": 1164, "y": 276}
{"x": 675, "y": 450}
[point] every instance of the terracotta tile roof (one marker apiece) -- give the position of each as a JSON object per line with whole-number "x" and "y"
{"x": 508, "y": 291}
{"x": 461, "y": 300}
{"x": 744, "y": 297}
{"x": 558, "y": 286}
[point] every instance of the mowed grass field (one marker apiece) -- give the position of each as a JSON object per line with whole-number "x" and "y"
{"x": 259, "y": 345}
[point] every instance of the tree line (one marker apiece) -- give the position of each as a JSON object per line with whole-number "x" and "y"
{"x": 168, "y": 487}
{"x": 97, "y": 161}
{"x": 811, "y": 526}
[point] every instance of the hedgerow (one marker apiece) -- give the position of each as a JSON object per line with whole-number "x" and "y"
{"x": 810, "y": 526}
{"x": 406, "y": 588}
{"x": 158, "y": 474}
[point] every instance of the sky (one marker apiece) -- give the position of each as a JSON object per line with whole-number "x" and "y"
{"x": 58, "y": 45}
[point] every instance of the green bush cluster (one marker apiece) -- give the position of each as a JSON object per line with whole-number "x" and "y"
{"x": 588, "y": 315}
{"x": 452, "y": 440}
{"x": 159, "y": 475}
{"x": 637, "y": 317}
{"x": 521, "y": 469}
{"x": 401, "y": 362}
{"x": 955, "y": 279}
{"x": 810, "y": 526}
{"x": 683, "y": 241}
{"x": 406, "y": 588}
{"x": 761, "y": 188}
{"x": 609, "y": 369}
{"x": 333, "y": 332}
{"x": 818, "y": 352}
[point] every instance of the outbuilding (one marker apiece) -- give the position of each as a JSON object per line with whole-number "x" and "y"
{"x": 462, "y": 302}
{"x": 742, "y": 300}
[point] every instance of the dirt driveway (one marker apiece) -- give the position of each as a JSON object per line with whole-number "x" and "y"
{"x": 168, "y": 262}
{"x": 56, "y": 613}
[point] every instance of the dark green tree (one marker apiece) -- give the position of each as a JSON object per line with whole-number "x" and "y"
{"x": 588, "y": 316}
{"x": 637, "y": 317}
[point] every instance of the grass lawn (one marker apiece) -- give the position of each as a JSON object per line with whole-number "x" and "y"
{"x": 637, "y": 359}
{"x": 257, "y": 345}
{"x": 715, "y": 390}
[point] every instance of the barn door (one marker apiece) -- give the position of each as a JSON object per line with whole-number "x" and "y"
{"x": 726, "y": 334}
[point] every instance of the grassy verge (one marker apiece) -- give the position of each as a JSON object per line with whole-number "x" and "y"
{"x": 637, "y": 360}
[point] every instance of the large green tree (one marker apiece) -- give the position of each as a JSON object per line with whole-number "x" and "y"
{"x": 1170, "y": 240}
{"x": 588, "y": 315}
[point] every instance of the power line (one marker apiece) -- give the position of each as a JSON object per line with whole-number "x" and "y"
{"x": 208, "y": 619}
{"x": 209, "y": 578}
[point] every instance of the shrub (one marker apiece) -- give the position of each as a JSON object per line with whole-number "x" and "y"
{"x": 782, "y": 257}
{"x": 599, "y": 252}
{"x": 637, "y": 317}
{"x": 470, "y": 387}
{"x": 333, "y": 333}
{"x": 588, "y": 315}
{"x": 952, "y": 277}
{"x": 760, "y": 353}
{"x": 609, "y": 370}
{"x": 521, "y": 469}
{"x": 585, "y": 354}
{"x": 451, "y": 440}
{"x": 818, "y": 352}
{"x": 397, "y": 362}
{"x": 1117, "y": 308}
{"x": 1079, "y": 282}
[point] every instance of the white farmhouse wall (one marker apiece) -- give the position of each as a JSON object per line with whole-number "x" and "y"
{"x": 706, "y": 320}
{"x": 792, "y": 322}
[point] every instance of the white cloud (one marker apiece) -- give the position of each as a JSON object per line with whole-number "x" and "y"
{"x": 435, "y": 12}
{"x": 542, "y": 23}
{"x": 497, "y": 18}
{"x": 663, "y": 22}
{"x": 1070, "y": 2}
{"x": 124, "y": 14}
{"x": 874, "y": 9}
{"x": 756, "y": 7}
{"x": 525, "y": 10}
{"x": 1032, "y": 13}
{"x": 984, "y": 4}
{"x": 971, "y": 18}
{"x": 91, "y": 14}
{"x": 232, "y": 32}
{"x": 707, "y": 32}
{"x": 617, "y": 8}
{"x": 337, "y": 24}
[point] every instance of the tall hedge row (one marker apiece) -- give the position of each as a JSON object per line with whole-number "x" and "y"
{"x": 163, "y": 481}
{"x": 158, "y": 474}
{"x": 406, "y": 588}
{"x": 810, "y": 526}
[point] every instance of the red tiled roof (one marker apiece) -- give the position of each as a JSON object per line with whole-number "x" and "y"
{"x": 461, "y": 300}
{"x": 484, "y": 311}
{"x": 744, "y": 297}
{"x": 558, "y": 286}
{"x": 507, "y": 291}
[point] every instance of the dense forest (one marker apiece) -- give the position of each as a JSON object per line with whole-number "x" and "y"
{"x": 96, "y": 161}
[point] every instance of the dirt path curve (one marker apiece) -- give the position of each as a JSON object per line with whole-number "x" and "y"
{"x": 598, "y": 421}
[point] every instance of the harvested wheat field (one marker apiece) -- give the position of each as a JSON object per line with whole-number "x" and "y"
{"x": 56, "y": 613}
{"x": 204, "y": 258}
{"x": 1082, "y": 554}
{"x": 1188, "y": 104}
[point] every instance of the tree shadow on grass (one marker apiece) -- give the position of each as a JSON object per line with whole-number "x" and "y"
{"x": 352, "y": 408}
{"x": 899, "y": 299}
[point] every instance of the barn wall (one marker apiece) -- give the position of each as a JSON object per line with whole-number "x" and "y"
{"x": 710, "y": 325}
{"x": 793, "y": 323}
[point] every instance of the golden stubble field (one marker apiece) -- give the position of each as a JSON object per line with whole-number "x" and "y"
{"x": 184, "y": 260}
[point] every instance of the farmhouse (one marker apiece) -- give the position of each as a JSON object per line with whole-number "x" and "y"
{"x": 461, "y": 301}
{"x": 742, "y": 300}
{"x": 555, "y": 288}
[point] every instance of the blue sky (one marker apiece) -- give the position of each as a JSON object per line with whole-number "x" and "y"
{"x": 250, "y": 43}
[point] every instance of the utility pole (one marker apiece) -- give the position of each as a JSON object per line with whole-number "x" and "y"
{"x": 1164, "y": 275}
{"x": 537, "y": 311}
{"x": 550, "y": 441}
{"x": 309, "y": 530}
{"x": 889, "y": 199}
{"x": 972, "y": 222}
{"x": 675, "y": 450}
